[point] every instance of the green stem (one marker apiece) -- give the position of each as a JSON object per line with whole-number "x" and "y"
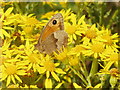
{"x": 112, "y": 19}
{"x": 38, "y": 79}
{"x": 80, "y": 76}
{"x": 85, "y": 69}
{"x": 17, "y": 6}
{"x": 101, "y": 14}
{"x": 94, "y": 67}
{"x": 93, "y": 70}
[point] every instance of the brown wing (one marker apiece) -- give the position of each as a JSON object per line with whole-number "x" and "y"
{"x": 54, "y": 42}
{"x": 62, "y": 38}
{"x": 54, "y": 24}
{"x": 53, "y": 36}
{"x": 49, "y": 45}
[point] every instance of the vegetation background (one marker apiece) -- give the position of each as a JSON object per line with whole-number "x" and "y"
{"x": 102, "y": 14}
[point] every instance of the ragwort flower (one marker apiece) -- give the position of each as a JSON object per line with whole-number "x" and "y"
{"x": 97, "y": 49}
{"x": 73, "y": 29}
{"x": 61, "y": 55}
{"x": 90, "y": 34}
{"x": 48, "y": 66}
{"x": 11, "y": 72}
{"x": 5, "y": 22}
{"x": 109, "y": 39}
{"x": 112, "y": 58}
{"x": 77, "y": 50}
{"x": 32, "y": 58}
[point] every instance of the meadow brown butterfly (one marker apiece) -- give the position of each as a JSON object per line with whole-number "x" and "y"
{"x": 53, "y": 37}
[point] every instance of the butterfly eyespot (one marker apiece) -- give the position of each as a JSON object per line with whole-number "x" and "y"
{"x": 54, "y": 22}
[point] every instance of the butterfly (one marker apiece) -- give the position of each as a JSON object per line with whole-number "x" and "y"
{"x": 53, "y": 37}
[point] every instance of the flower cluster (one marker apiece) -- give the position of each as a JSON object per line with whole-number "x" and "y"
{"x": 90, "y": 58}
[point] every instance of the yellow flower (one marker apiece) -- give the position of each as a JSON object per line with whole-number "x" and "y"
{"x": 8, "y": 53}
{"x": 97, "y": 49}
{"x": 61, "y": 55}
{"x": 90, "y": 33}
{"x": 73, "y": 60}
{"x": 73, "y": 29}
{"x": 11, "y": 71}
{"x": 5, "y": 21}
{"x": 77, "y": 50}
{"x": 109, "y": 39}
{"x": 112, "y": 58}
{"x": 32, "y": 59}
{"x": 66, "y": 14}
{"x": 114, "y": 75}
{"x": 114, "y": 72}
{"x": 48, "y": 66}
{"x": 29, "y": 24}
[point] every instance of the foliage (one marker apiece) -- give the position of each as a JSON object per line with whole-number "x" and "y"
{"x": 90, "y": 59}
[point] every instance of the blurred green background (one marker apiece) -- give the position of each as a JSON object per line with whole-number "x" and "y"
{"x": 105, "y": 14}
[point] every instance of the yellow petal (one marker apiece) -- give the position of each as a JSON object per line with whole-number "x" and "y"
{"x": 8, "y": 22}
{"x": 57, "y": 64}
{"x": 95, "y": 55}
{"x": 41, "y": 70}
{"x": 13, "y": 79}
{"x": 18, "y": 78}
{"x": 98, "y": 85}
{"x": 7, "y": 28}
{"x": 34, "y": 67}
{"x": 76, "y": 85}
{"x": 9, "y": 10}
{"x": 58, "y": 70}
{"x": 21, "y": 72}
{"x": 81, "y": 20}
{"x": 48, "y": 83}
{"x": 8, "y": 80}
{"x": 78, "y": 33}
{"x": 59, "y": 85}
{"x": 47, "y": 74}
{"x": 109, "y": 64}
{"x": 74, "y": 36}
{"x": 55, "y": 76}
{"x": 4, "y": 76}
{"x": 5, "y": 33}
{"x": 27, "y": 43}
{"x": 30, "y": 65}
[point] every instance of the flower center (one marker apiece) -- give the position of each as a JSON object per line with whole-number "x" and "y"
{"x": 33, "y": 58}
{"x": 11, "y": 69}
{"x": 114, "y": 57}
{"x": 49, "y": 66}
{"x": 91, "y": 34}
{"x": 98, "y": 48}
{"x": 108, "y": 38}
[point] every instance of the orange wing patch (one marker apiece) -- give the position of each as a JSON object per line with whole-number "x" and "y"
{"x": 49, "y": 30}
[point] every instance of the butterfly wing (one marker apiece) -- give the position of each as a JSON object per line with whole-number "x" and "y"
{"x": 53, "y": 36}
{"x": 54, "y": 24}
